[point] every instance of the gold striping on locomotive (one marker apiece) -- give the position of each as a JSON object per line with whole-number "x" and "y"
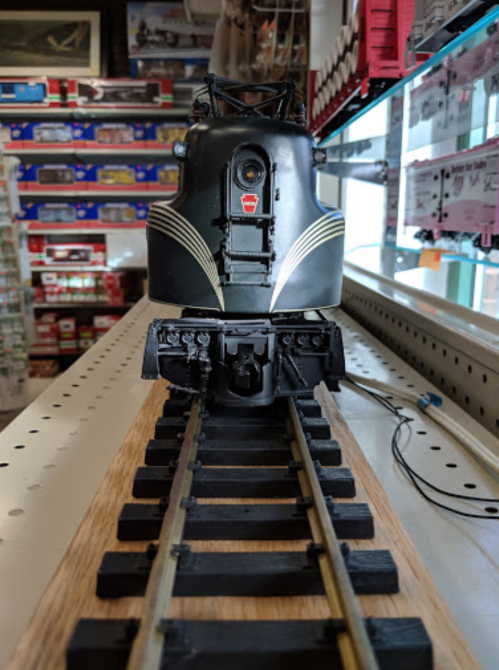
{"x": 169, "y": 222}
{"x": 326, "y": 228}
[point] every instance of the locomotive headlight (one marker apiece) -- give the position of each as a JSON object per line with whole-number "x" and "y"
{"x": 250, "y": 172}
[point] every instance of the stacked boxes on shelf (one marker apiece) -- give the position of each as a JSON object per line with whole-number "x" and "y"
{"x": 93, "y": 93}
{"x": 74, "y": 215}
{"x": 43, "y": 252}
{"x": 61, "y": 335}
{"x": 80, "y": 288}
{"x": 75, "y": 135}
{"x": 100, "y": 167}
{"x": 13, "y": 346}
{"x": 107, "y": 178}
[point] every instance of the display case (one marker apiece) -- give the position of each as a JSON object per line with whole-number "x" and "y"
{"x": 417, "y": 173}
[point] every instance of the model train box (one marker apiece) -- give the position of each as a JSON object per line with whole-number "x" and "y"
{"x": 52, "y": 177}
{"x": 53, "y": 135}
{"x": 463, "y": 191}
{"x": 49, "y": 215}
{"x": 162, "y": 177}
{"x": 11, "y": 136}
{"x": 122, "y": 93}
{"x": 126, "y": 214}
{"x": 115, "y": 135}
{"x": 85, "y": 253}
{"x": 42, "y": 252}
{"x": 163, "y": 135}
{"x": 29, "y": 92}
{"x": 116, "y": 177}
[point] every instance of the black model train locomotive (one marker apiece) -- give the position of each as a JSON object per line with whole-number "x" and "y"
{"x": 246, "y": 249}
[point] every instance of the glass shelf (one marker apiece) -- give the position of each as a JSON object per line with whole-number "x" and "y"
{"x": 421, "y": 203}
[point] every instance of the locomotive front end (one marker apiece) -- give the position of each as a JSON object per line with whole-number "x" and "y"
{"x": 246, "y": 249}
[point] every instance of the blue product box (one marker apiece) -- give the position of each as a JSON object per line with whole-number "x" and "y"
{"x": 49, "y": 215}
{"x": 163, "y": 135}
{"x": 114, "y": 135}
{"x": 126, "y": 214}
{"x": 53, "y": 135}
{"x": 116, "y": 177}
{"x": 11, "y": 135}
{"x": 51, "y": 177}
{"x": 162, "y": 177}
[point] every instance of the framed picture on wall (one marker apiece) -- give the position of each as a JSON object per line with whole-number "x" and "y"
{"x": 64, "y": 44}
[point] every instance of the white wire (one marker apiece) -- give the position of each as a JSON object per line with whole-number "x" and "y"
{"x": 477, "y": 448}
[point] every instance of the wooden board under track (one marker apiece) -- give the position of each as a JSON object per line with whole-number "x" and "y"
{"x": 71, "y": 593}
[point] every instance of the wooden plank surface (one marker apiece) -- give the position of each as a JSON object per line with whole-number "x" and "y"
{"x": 71, "y": 594}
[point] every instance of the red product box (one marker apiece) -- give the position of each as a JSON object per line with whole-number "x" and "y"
{"x": 86, "y": 337}
{"x": 35, "y": 249}
{"x": 67, "y": 335}
{"x": 103, "y": 323}
{"x": 67, "y": 325}
{"x": 85, "y": 253}
{"x": 116, "y": 297}
{"x": 53, "y": 294}
{"x": 50, "y": 279}
{"x": 45, "y": 331}
{"x": 120, "y": 93}
{"x": 39, "y": 295}
{"x": 114, "y": 280}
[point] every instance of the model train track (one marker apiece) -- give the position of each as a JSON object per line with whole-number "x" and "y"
{"x": 279, "y": 452}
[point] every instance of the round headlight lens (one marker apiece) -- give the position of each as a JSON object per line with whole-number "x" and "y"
{"x": 250, "y": 172}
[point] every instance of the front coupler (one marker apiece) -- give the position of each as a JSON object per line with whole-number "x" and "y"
{"x": 242, "y": 362}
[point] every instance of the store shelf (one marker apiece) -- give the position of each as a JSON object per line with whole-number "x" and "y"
{"x": 80, "y": 305}
{"x": 96, "y": 194}
{"x": 178, "y": 53}
{"x": 89, "y": 231}
{"x": 89, "y": 152}
{"x": 56, "y": 354}
{"x": 86, "y": 114}
{"x": 72, "y": 268}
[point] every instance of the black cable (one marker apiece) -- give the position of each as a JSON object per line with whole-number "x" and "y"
{"x": 409, "y": 471}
